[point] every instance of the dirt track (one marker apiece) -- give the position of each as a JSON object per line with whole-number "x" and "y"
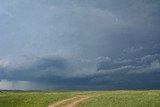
{"x": 71, "y": 102}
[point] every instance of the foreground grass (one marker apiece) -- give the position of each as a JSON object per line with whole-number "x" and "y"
{"x": 150, "y": 98}
{"x": 32, "y": 99}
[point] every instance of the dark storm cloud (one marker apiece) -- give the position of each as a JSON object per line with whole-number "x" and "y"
{"x": 108, "y": 74}
{"x": 100, "y": 43}
{"x": 41, "y": 67}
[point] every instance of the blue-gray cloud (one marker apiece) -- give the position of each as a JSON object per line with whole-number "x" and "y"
{"x": 108, "y": 73}
{"x": 82, "y": 43}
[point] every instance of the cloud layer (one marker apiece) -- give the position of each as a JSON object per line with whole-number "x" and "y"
{"x": 72, "y": 44}
{"x": 106, "y": 73}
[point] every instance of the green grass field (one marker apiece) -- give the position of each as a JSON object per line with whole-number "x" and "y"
{"x": 148, "y": 98}
{"x": 31, "y": 99}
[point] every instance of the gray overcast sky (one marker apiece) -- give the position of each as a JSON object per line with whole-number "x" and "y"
{"x": 79, "y": 44}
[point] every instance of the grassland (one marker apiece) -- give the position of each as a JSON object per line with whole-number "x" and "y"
{"x": 148, "y": 98}
{"x": 32, "y": 99}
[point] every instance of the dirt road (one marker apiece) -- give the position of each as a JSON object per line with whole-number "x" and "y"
{"x": 71, "y": 102}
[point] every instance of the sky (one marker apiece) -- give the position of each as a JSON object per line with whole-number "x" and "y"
{"x": 79, "y": 44}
